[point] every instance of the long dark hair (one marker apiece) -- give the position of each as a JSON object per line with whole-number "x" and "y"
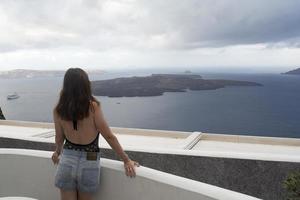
{"x": 76, "y": 96}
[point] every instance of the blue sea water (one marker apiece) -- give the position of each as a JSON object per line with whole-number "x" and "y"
{"x": 271, "y": 110}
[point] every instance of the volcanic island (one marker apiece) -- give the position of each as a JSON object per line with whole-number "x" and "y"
{"x": 157, "y": 84}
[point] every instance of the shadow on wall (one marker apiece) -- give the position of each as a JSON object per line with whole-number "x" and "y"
{"x": 1, "y": 114}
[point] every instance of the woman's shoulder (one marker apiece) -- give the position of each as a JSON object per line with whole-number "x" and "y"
{"x": 55, "y": 113}
{"x": 95, "y": 105}
{"x": 56, "y": 116}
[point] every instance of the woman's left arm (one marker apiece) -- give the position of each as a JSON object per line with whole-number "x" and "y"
{"x": 59, "y": 138}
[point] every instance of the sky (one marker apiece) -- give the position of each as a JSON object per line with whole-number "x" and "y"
{"x": 210, "y": 35}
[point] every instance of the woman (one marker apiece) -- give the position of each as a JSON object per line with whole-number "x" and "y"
{"x": 78, "y": 120}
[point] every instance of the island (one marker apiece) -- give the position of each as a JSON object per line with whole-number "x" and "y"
{"x": 293, "y": 72}
{"x": 157, "y": 84}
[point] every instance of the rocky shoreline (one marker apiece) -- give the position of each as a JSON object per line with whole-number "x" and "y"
{"x": 293, "y": 72}
{"x": 158, "y": 84}
{"x": 1, "y": 114}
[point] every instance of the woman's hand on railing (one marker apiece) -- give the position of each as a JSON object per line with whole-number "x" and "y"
{"x": 55, "y": 157}
{"x": 130, "y": 167}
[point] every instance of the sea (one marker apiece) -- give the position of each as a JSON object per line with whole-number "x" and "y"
{"x": 271, "y": 110}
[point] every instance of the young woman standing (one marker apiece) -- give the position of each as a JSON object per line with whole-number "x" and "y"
{"x": 78, "y": 120}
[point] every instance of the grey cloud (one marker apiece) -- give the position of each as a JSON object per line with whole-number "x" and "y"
{"x": 144, "y": 24}
{"x": 231, "y": 22}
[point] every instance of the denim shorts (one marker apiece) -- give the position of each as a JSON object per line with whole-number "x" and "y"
{"x": 75, "y": 172}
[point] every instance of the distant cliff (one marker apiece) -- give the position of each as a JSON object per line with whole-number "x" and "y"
{"x": 1, "y": 115}
{"x": 293, "y": 72}
{"x": 157, "y": 84}
{"x": 28, "y": 73}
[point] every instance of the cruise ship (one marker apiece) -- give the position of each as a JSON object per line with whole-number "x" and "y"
{"x": 174, "y": 165}
{"x": 13, "y": 96}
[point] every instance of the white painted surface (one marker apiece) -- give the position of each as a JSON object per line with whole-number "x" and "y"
{"x": 281, "y": 152}
{"x": 26, "y": 133}
{"x": 30, "y": 173}
{"x": 172, "y": 142}
{"x": 244, "y": 147}
{"x": 135, "y": 141}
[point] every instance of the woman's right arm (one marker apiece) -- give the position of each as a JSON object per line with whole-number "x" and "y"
{"x": 112, "y": 140}
{"x": 59, "y": 138}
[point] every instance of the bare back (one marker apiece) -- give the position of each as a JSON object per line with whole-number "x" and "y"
{"x": 86, "y": 130}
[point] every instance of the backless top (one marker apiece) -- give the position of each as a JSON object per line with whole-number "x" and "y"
{"x": 91, "y": 147}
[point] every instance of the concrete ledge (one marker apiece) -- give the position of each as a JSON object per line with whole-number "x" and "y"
{"x": 32, "y": 173}
{"x": 259, "y": 178}
{"x": 118, "y": 130}
{"x": 192, "y": 140}
{"x": 27, "y": 124}
{"x": 175, "y": 134}
{"x": 253, "y": 165}
{"x": 251, "y": 139}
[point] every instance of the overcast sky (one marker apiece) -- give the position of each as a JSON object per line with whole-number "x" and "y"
{"x": 258, "y": 35}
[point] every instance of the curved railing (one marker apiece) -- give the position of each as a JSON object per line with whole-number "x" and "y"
{"x": 30, "y": 173}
